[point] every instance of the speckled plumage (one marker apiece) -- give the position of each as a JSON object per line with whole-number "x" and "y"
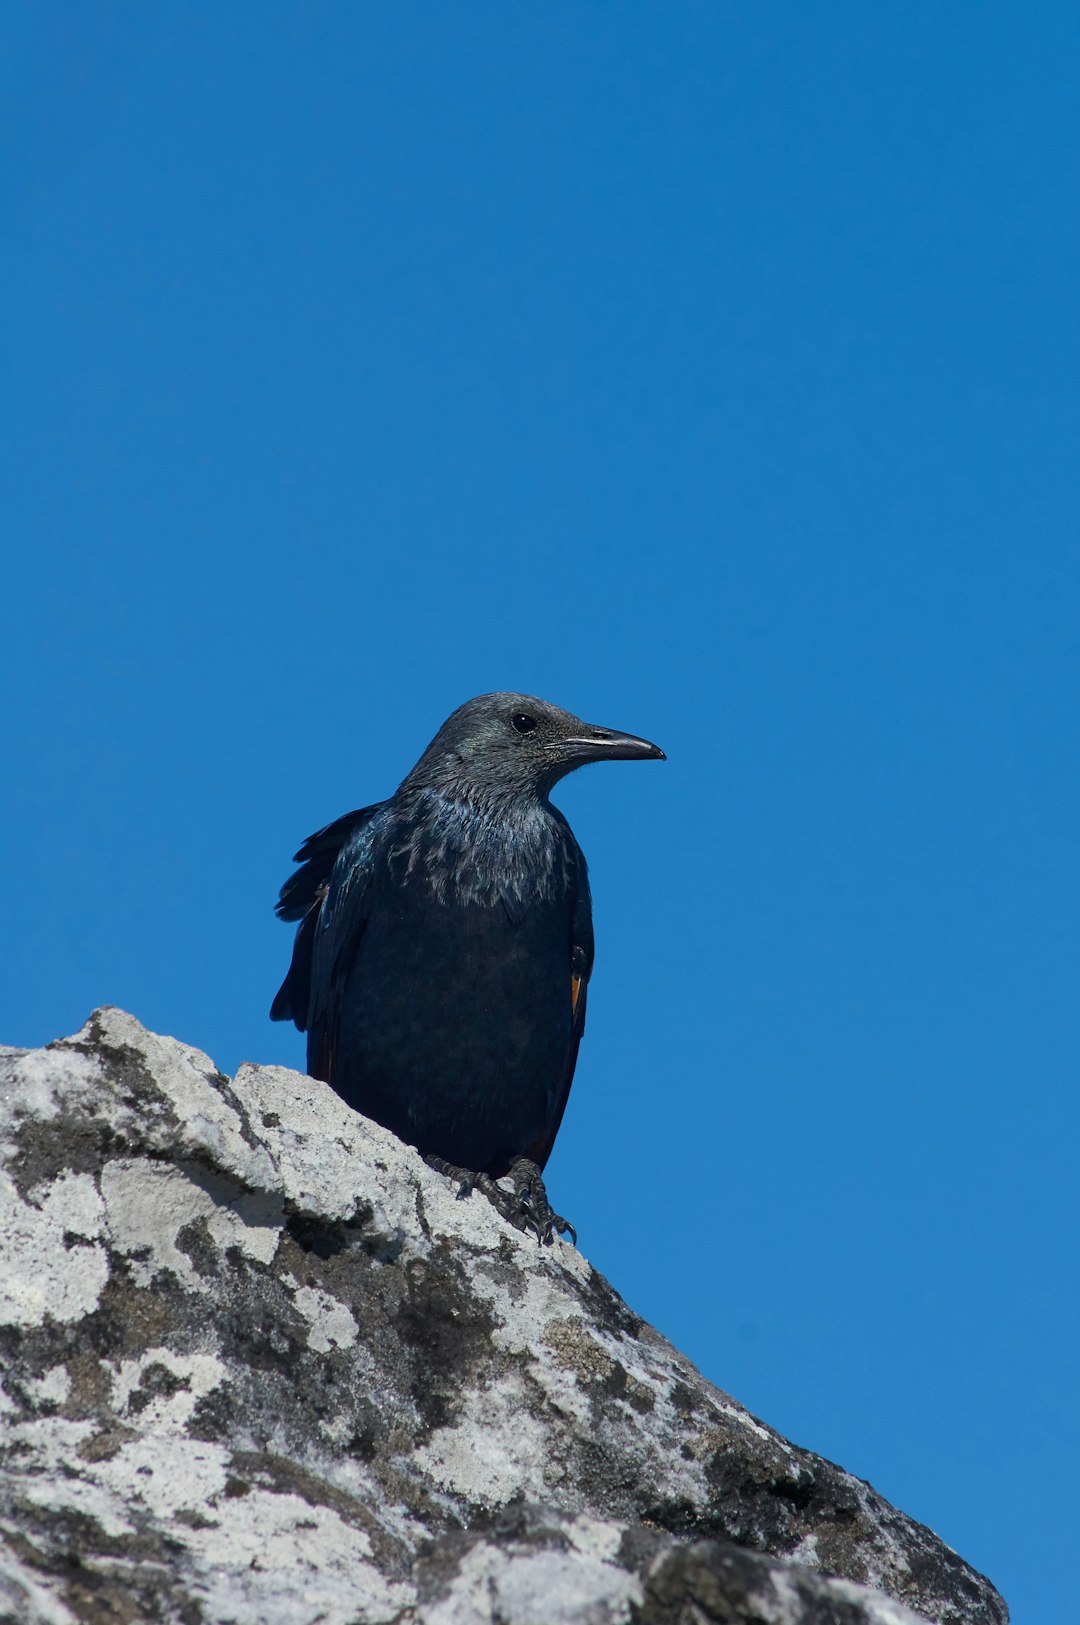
{"x": 445, "y": 939}
{"x": 516, "y": 850}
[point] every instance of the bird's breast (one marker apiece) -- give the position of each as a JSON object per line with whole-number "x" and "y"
{"x": 461, "y": 856}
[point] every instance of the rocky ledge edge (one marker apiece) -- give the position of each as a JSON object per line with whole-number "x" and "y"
{"x": 259, "y": 1365}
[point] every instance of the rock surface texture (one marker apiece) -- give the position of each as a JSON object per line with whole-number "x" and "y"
{"x": 260, "y": 1365}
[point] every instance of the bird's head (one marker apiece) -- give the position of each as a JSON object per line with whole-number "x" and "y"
{"x": 514, "y": 744}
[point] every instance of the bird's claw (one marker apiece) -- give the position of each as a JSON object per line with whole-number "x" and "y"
{"x": 534, "y": 1212}
{"x": 526, "y": 1207}
{"x": 465, "y": 1179}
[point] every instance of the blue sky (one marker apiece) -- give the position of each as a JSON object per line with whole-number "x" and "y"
{"x": 707, "y": 369}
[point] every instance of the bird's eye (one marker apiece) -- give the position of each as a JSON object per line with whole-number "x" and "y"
{"x": 523, "y": 722}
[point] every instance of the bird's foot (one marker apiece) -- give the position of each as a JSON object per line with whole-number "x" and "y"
{"x": 526, "y": 1207}
{"x": 466, "y": 1182}
{"x": 530, "y": 1208}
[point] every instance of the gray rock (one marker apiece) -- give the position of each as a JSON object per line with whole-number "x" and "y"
{"x": 260, "y": 1365}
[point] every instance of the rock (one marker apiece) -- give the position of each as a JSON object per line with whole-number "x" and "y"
{"x": 260, "y": 1365}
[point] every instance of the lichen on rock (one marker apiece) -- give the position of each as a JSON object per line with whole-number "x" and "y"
{"x": 259, "y": 1365}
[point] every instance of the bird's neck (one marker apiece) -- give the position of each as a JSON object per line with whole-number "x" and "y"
{"x": 461, "y": 798}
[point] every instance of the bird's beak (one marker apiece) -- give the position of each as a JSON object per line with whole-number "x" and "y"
{"x": 606, "y": 744}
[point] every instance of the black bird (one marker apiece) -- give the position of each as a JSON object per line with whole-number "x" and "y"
{"x": 445, "y": 946}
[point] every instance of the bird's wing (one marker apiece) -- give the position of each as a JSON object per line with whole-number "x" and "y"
{"x": 579, "y": 970}
{"x": 302, "y": 898}
{"x": 343, "y": 916}
{"x": 317, "y": 857}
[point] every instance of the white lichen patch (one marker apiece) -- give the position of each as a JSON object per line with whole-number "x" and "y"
{"x": 313, "y": 1137}
{"x": 49, "y": 1471}
{"x": 42, "y": 1272}
{"x": 498, "y": 1450}
{"x": 276, "y": 1558}
{"x": 536, "y": 1296}
{"x": 541, "y": 1319}
{"x": 209, "y": 1125}
{"x": 779, "y": 1603}
{"x": 147, "y": 1205}
{"x": 596, "y": 1537}
{"x": 520, "y": 1587}
{"x": 161, "y": 1389}
{"x": 806, "y": 1553}
{"x": 332, "y": 1325}
{"x": 165, "y": 1474}
{"x": 320, "y": 1147}
{"x": 880, "y": 1610}
{"x": 26, "y": 1598}
{"x": 52, "y": 1390}
{"x": 38, "y": 1084}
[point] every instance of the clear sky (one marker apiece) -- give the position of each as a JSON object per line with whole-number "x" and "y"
{"x": 711, "y": 370}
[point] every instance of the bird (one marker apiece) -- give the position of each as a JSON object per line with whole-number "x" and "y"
{"x": 442, "y": 958}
